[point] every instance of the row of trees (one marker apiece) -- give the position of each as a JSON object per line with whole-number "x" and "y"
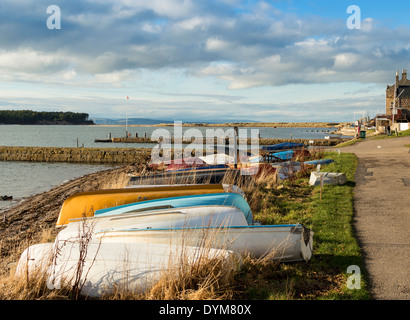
{"x": 42, "y": 117}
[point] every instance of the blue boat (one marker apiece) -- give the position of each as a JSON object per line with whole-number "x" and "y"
{"x": 284, "y": 155}
{"x": 274, "y": 157}
{"x": 212, "y": 167}
{"x": 283, "y": 146}
{"x": 320, "y": 161}
{"x": 221, "y": 199}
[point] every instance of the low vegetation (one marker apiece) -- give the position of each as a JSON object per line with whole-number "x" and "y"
{"x": 404, "y": 133}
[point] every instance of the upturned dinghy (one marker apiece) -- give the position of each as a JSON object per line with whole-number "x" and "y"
{"x": 163, "y": 218}
{"x": 287, "y": 243}
{"x": 110, "y": 267}
{"x": 207, "y": 176}
{"x": 215, "y": 199}
{"x": 85, "y": 203}
{"x": 132, "y": 251}
{"x": 283, "y": 146}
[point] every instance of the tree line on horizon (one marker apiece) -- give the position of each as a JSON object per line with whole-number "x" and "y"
{"x": 42, "y": 117}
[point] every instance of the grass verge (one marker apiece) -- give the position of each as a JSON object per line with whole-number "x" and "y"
{"x": 335, "y": 245}
{"x": 393, "y": 135}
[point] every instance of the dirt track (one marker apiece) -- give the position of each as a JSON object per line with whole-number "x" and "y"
{"x": 382, "y": 221}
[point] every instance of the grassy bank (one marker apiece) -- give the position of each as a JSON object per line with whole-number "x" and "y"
{"x": 294, "y": 201}
{"x": 335, "y": 245}
{"x": 393, "y": 135}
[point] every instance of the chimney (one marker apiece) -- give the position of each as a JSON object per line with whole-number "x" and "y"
{"x": 404, "y": 74}
{"x": 397, "y": 80}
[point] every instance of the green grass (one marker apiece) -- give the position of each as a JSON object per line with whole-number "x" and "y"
{"x": 348, "y": 143}
{"x": 335, "y": 244}
{"x": 393, "y": 135}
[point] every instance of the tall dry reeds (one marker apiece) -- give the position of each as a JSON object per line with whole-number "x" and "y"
{"x": 189, "y": 273}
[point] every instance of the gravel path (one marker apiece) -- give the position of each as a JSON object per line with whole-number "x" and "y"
{"x": 382, "y": 221}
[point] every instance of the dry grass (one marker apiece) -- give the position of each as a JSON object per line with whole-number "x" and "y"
{"x": 27, "y": 285}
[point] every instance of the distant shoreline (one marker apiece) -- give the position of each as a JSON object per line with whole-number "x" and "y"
{"x": 241, "y": 124}
{"x": 49, "y": 124}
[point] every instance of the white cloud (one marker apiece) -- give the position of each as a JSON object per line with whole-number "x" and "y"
{"x": 216, "y": 44}
{"x": 230, "y": 47}
{"x": 30, "y": 61}
{"x": 346, "y": 60}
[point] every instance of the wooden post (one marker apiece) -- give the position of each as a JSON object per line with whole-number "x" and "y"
{"x": 321, "y": 187}
{"x": 235, "y": 146}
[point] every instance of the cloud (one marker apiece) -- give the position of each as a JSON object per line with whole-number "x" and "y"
{"x": 235, "y": 45}
{"x": 262, "y": 45}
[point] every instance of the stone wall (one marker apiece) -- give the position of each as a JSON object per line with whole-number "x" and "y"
{"x": 75, "y": 155}
{"x": 113, "y": 155}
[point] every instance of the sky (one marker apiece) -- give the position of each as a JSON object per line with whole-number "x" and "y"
{"x": 202, "y": 60}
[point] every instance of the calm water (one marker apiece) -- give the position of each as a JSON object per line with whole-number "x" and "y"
{"x": 66, "y": 136}
{"x": 22, "y": 179}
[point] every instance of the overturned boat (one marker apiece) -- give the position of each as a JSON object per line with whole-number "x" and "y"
{"x": 230, "y": 199}
{"x": 134, "y": 249}
{"x": 84, "y": 204}
{"x": 283, "y": 146}
{"x": 116, "y": 267}
{"x": 192, "y": 176}
{"x": 132, "y": 245}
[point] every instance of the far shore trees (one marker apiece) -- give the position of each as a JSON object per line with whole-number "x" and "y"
{"x": 43, "y": 117}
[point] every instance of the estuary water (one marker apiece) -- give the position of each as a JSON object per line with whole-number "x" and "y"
{"x": 72, "y": 136}
{"x": 22, "y": 179}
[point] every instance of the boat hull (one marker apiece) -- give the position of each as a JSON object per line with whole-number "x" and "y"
{"x": 204, "y": 176}
{"x": 215, "y": 199}
{"x": 189, "y": 217}
{"x": 84, "y": 204}
{"x": 286, "y": 243}
{"x": 108, "y": 267}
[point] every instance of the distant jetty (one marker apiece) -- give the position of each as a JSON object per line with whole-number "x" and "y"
{"x": 242, "y": 124}
{"x": 262, "y": 141}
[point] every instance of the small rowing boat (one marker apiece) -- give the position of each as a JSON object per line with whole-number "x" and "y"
{"x": 84, "y": 204}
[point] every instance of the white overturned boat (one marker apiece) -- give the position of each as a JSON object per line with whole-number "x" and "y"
{"x": 110, "y": 267}
{"x": 132, "y": 248}
{"x": 171, "y": 218}
{"x": 130, "y": 265}
{"x": 282, "y": 242}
